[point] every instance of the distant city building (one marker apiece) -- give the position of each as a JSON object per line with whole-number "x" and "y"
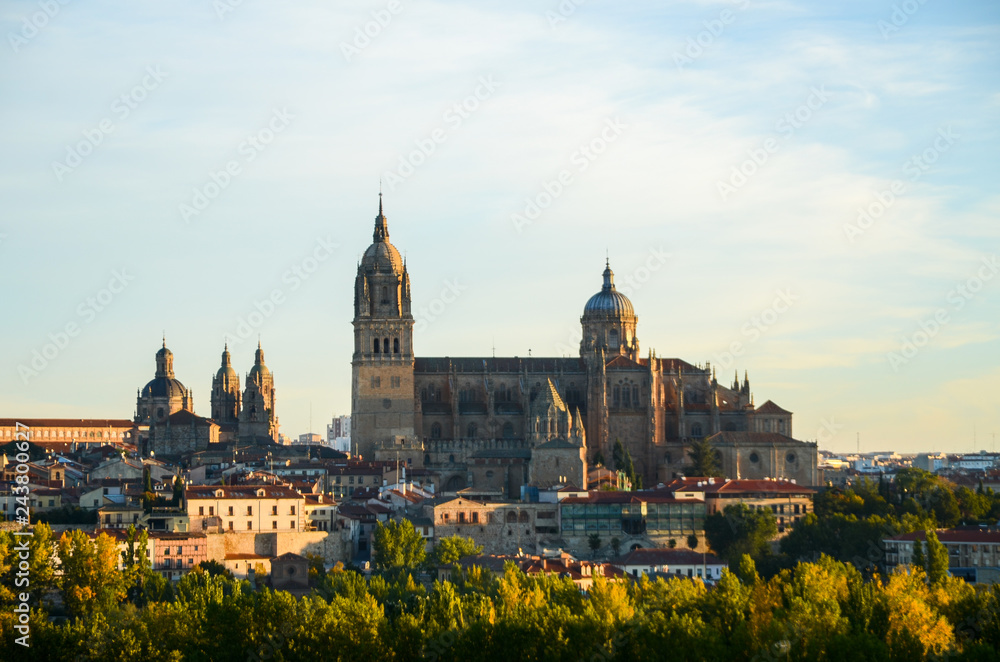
{"x": 338, "y": 433}
{"x": 310, "y": 438}
{"x": 973, "y": 553}
{"x": 56, "y": 432}
{"x": 930, "y": 461}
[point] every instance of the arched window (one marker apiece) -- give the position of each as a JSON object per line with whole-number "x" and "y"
{"x": 385, "y": 295}
{"x": 451, "y": 459}
{"x": 523, "y": 517}
{"x": 511, "y": 517}
{"x": 436, "y": 431}
{"x": 375, "y": 346}
{"x": 626, "y": 397}
{"x": 635, "y": 395}
{"x": 617, "y": 397}
{"x": 386, "y": 346}
{"x": 471, "y": 431}
{"x": 427, "y": 459}
{"x": 508, "y": 430}
{"x": 696, "y": 429}
{"x": 613, "y": 339}
{"x": 395, "y": 345}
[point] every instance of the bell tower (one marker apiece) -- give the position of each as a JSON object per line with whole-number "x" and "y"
{"x": 382, "y": 400}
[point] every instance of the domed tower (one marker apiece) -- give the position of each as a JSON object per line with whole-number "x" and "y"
{"x": 164, "y": 394}
{"x": 609, "y": 322}
{"x": 258, "y": 423}
{"x": 382, "y": 403}
{"x": 226, "y": 392}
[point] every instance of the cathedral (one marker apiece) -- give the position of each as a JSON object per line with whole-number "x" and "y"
{"x": 164, "y": 413}
{"x": 502, "y": 424}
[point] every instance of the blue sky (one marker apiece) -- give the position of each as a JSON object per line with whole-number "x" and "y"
{"x": 824, "y": 106}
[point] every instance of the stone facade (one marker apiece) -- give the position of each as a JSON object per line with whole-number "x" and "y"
{"x": 475, "y": 416}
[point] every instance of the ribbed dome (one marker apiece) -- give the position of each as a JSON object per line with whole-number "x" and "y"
{"x": 381, "y": 255}
{"x": 226, "y": 374}
{"x": 609, "y": 302}
{"x": 164, "y": 387}
{"x": 259, "y": 371}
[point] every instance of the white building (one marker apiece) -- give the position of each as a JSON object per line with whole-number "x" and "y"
{"x": 256, "y": 508}
{"x": 338, "y": 433}
{"x": 679, "y": 562}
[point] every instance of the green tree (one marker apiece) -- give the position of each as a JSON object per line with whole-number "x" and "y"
{"x": 704, "y": 460}
{"x": 918, "y": 560}
{"x": 451, "y": 549}
{"x": 692, "y": 541}
{"x": 147, "y": 479}
{"x": 136, "y": 565}
{"x": 616, "y": 545}
{"x": 937, "y": 559}
{"x": 740, "y": 530}
{"x": 623, "y": 463}
{"x": 215, "y": 569}
{"x": 91, "y": 581}
{"x": 594, "y": 542}
{"x": 397, "y": 545}
{"x": 178, "y": 491}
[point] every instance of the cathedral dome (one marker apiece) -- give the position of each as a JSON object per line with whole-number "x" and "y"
{"x": 381, "y": 255}
{"x": 226, "y": 374}
{"x": 259, "y": 372}
{"x": 164, "y": 387}
{"x": 609, "y": 302}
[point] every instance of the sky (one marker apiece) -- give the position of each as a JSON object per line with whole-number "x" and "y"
{"x": 804, "y": 191}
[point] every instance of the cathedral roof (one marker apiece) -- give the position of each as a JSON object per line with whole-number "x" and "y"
{"x": 259, "y": 371}
{"x": 381, "y": 256}
{"x": 609, "y": 302}
{"x": 770, "y": 408}
{"x": 756, "y": 439}
{"x": 514, "y": 364}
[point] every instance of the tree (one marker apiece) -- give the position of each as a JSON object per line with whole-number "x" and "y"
{"x": 692, "y": 541}
{"x": 598, "y": 460}
{"x": 740, "y": 530}
{"x": 136, "y": 564}
{"x": 147, "y": 479}
{"x": 215, "y": 569}
{"x": 616, "y": 545}
{"x": 704, "y": 460}
{"x": 918, "y": 560}
{"x": 91, "y": 581}
{"x": 397, "y": 545}
{"x": 623, "y": 462}
{"x": 671, "y": 543}
{"x": 594, "y": 542}
{"x": 178, "y": 491}
{"x": 937, "y": 559}
{"x": 451, "y": 549}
